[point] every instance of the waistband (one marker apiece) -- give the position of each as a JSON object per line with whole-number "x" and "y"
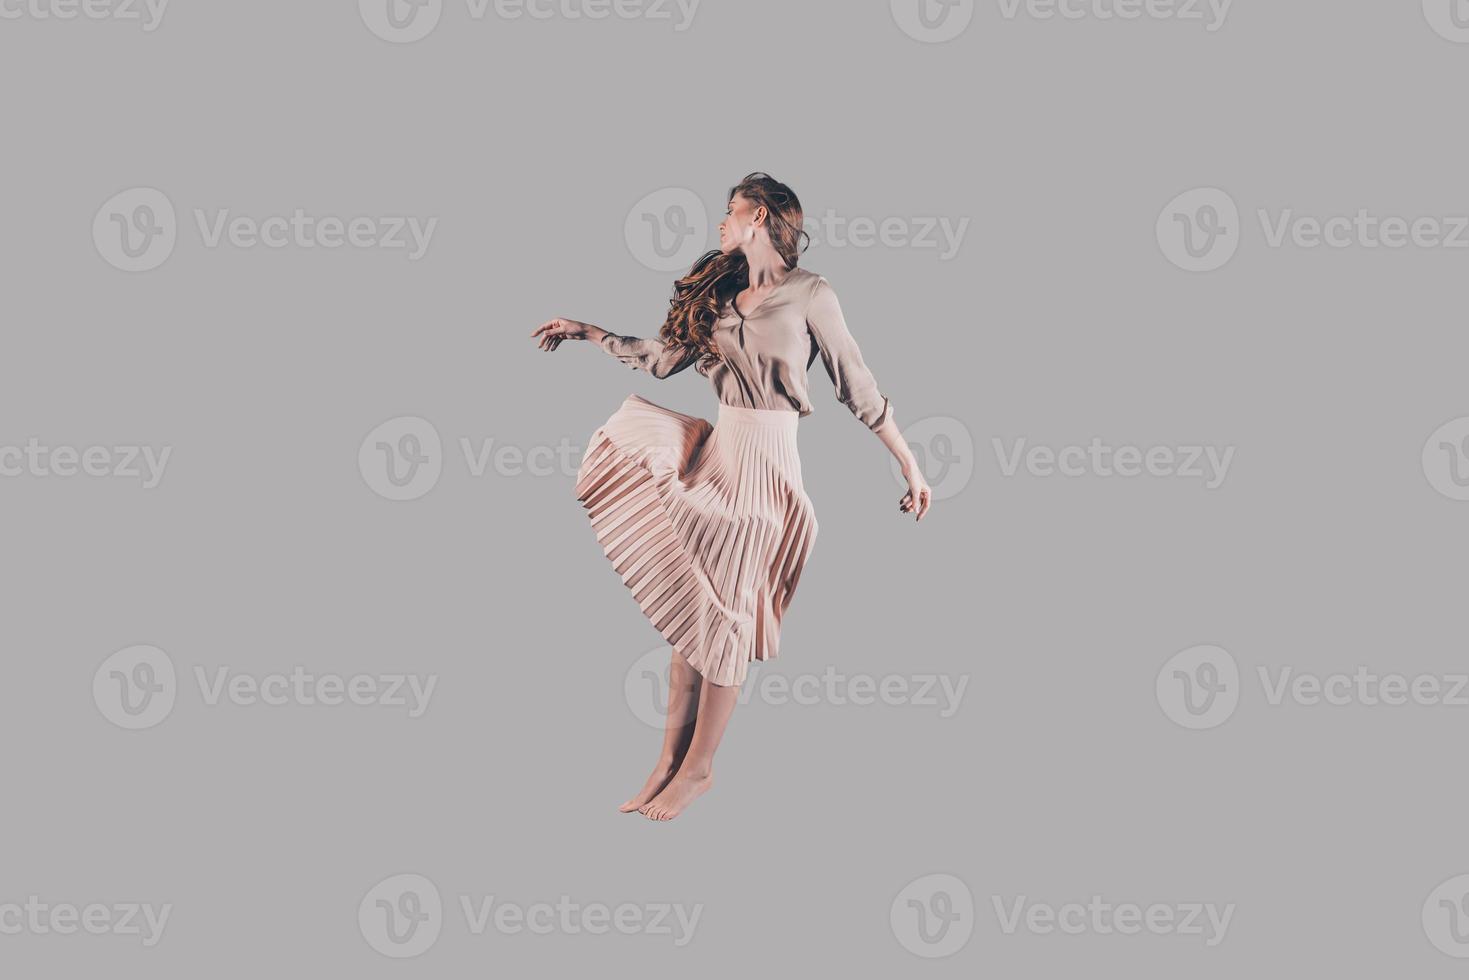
{"x": 780, "y": 417}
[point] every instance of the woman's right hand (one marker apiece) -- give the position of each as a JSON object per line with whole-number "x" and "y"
{"x": 552, "y": 332}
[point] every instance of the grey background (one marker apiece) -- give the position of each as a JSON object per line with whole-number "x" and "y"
{"x": 1060, "y": 319}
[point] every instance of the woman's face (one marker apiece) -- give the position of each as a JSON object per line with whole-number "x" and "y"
{"x": 739, "y": 226}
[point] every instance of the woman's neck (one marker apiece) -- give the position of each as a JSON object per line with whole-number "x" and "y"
{"x": 767, "y": 268}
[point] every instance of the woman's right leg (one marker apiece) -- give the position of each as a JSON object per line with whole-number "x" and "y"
{"x": 678, "y": 731}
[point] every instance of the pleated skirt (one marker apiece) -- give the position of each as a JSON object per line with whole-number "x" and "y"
{"x": 708, "y": 525}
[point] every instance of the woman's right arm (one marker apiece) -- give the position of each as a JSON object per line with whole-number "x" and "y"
{"x": 640, "y": 353}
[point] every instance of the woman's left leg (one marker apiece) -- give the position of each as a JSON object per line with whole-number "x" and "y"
{"x": 695, "y": 772}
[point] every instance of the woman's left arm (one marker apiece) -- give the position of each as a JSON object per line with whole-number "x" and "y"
{"x": 858, "y": 390}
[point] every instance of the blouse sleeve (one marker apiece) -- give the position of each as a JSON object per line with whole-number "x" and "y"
{"x": 855, "y": 386}
{"x": 649, "y": 354}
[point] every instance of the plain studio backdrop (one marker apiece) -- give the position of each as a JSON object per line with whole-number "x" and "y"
{"x": 551, "y": 164}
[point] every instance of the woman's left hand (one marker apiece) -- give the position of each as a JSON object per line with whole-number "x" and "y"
{"x": 918, "y": 497}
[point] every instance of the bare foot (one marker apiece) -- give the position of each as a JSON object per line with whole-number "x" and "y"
{"x": 662, "y": 773}
{"x": 682, "y": 790}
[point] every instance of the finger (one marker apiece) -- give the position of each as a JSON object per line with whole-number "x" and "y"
{"x": 926, "y": 496}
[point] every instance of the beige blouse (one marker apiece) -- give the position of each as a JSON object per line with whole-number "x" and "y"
{"x": 765, "y": 353}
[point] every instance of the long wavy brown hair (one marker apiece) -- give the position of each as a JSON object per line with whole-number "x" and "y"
{"x": 716, "y": 278}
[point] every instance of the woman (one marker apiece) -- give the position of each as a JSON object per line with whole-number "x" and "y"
{"x": 709, "y": 525}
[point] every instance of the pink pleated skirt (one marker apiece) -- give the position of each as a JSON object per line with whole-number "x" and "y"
{"x": 708, "y": 525}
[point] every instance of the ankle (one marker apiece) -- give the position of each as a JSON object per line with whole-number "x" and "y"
{"x": 699, "y": 772}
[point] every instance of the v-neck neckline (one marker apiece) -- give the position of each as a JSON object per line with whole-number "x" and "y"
{"x": 734, "y": 300}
